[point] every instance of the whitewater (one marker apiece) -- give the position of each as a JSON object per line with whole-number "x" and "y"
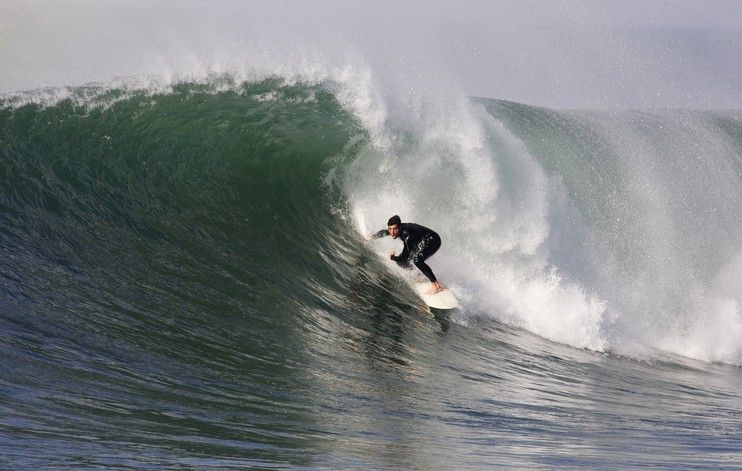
{"x": 185, "y": 281}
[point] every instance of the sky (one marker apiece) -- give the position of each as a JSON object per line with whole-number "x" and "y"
{"x": 595, "y": 54}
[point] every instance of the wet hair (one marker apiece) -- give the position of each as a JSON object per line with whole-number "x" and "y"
{"x": 394, "y": 220}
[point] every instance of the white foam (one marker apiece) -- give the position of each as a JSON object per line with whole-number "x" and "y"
{"x": 714, "y": 331}
{"x": 445, "y": 176}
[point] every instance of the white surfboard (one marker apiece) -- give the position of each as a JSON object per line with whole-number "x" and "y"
{"x": 443, "y": 299}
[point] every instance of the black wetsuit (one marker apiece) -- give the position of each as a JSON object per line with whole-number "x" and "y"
{"x": 419, "y": 244}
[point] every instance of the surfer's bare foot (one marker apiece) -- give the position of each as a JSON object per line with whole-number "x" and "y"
{"x": 435, "y": 288}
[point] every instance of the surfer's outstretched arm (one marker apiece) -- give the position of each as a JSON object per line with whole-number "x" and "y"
{"x": 380, "y": 234}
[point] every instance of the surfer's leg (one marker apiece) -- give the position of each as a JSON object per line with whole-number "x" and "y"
{"x": 435, "y": 284}
{"x": 423, "y": 267}
{"x": 431, "y": 246}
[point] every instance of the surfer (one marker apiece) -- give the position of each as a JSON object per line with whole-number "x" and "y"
{"x": 419, "y": 244}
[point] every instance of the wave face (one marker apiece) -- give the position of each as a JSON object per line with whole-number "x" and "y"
{"x": 184, "y": 281}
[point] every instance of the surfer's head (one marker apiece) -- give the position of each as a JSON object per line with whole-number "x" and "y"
{"x": 393, "y": 225}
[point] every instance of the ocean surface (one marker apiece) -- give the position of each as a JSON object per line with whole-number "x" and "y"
{"x": 184, "y": 281}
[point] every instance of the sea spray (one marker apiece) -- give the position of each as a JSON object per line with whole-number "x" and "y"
{"x": 459, "y": 171}
{"x": 582, "y": 227}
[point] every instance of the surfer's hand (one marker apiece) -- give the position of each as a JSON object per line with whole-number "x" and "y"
{"x": 367, "y": 236}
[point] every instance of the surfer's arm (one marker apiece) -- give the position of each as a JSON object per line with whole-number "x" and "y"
{"x": 380, "y": 234}
{"x": 401, "y": 257}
